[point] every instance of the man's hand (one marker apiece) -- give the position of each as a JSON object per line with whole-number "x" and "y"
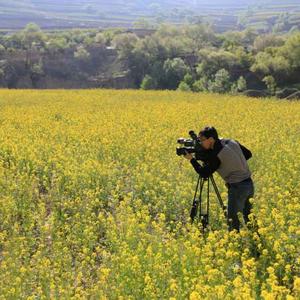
{"x": 188, "y": 156}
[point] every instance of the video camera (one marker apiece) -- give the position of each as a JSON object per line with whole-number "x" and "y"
{"x": 192, "y": 145}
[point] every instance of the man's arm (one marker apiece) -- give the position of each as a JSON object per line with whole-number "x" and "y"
{"x": 209, "y": 168}
{"x": 247, "y": 153}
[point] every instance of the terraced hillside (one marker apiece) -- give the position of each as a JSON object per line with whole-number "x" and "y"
{"x": 224, "y": 14}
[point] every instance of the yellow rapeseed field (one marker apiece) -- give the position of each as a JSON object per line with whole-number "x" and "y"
{"x": 95, "y": 203}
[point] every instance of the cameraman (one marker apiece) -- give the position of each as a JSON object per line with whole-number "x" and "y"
{"x": 229, "y": 159}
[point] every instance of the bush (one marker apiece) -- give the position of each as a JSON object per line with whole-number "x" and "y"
{"x": 148, "y": 83}
{"x": 188, "y": 79}
{"x": 81, "y": 53}
{"x": 221, "y": 84}
{"x": 184, "y": 87}
{"x": 270, "y": 83}
{"x": 201, "y": 85}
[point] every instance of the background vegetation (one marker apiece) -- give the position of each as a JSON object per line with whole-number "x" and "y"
{"x": 188, "y": 57}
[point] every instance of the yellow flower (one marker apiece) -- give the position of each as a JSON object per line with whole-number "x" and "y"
{"x": 95, "y": 204}
{"x": 297, "y": 285}
{"x": 194, "y": 296}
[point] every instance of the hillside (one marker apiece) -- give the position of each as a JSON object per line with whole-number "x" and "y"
{"x": 224, "y": 14}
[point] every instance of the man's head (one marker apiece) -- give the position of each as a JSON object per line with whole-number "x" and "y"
{"x": 208, "y": 135}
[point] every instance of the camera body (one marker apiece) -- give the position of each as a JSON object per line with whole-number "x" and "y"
{"x": 192, "y": 145}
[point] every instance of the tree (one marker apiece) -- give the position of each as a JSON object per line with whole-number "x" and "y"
{"x": 271, "y": 63}
{"x": 175, "y": 40}
{"x": 125, "y": 43}
{"x": 2, "y": 49}
{"x": 109, "y": 34}
{"x": 241, "y": 84}
{"x": 100, "y": 39}
{"x": 184, "y": 87}
{"x": 36, "y": 72}
{"x": 244, "y": 59}
{"x": 265, "y": 41}
{"x": 32, "y": 38}
{"x": 167, "y": 31}
{"x": 232, "y": 39}
{"x": 2, "y": 73}
{"x": 56, "y": 45}
{"x": 270, "y": 83}
{"x": 175, "y": 69}
{"x": 202, "y": 84}
{"x": 37, "y": 68}
{"x": 221, "y": 83}
{"x": 81, "y": 53}
{"x": 78, "y": 36}
{"x": 152, "y": 48}
{"x": 148, "y": 83}
{"x": 213, "y": 60}
{"x": 249, "y": 36}
{"x": 188, "y": 79}
{"x": 32, "y": 35}
{"x": 202, "y": 35}
{"x": 156, "y": 70}
{"x": 291, "y": 50}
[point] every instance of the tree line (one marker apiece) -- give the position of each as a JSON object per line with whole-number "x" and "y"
{"x": 187, "y": 57}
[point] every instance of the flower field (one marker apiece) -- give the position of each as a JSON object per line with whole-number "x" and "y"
{"x": 95, "y": 202}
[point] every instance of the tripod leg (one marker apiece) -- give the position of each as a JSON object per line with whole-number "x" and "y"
{"x": 195, "y": 204}
{"x": 203, "y": 213}
{"x": 207, "y": 204}
{"x": 200, "y": 197}
{"x": 218, "y": 195}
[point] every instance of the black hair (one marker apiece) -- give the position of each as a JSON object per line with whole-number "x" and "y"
{"x": 209, "y": 131}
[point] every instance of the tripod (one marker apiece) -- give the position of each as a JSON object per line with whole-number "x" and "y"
{"x": 198, "y": 201}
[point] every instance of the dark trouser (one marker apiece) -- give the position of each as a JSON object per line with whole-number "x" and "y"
{"x": 238, "y": 201}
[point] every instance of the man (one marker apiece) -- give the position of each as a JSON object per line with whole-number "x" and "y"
{"x": 229, "y": 159}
